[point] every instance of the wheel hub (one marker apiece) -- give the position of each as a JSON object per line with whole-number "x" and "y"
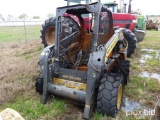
{"x": 49, "y": 35}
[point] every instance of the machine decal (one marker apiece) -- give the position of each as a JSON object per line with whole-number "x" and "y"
{"x": 113, "y": 43}
{"x": 70, "y": 84}
{"x": 71, "y": 77}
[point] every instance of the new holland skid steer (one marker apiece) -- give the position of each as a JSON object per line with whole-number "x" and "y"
{"x": 88, "y": 66}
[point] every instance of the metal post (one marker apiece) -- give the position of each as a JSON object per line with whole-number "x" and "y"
{"x": 25, "y": 34}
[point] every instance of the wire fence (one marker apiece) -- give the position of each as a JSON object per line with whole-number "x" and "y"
{"x": 19, "y": 30}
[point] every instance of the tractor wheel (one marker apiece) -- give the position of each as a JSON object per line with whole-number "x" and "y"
{"x": 48, "y": 32}
{"x": 39, "y": 84}
{"x": 124, "y": 66}
{"x": 69, "y": 26}
{"x": 132, "y": 41}
{"x": 110, "y": 94}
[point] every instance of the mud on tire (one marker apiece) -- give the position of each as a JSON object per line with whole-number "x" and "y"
{"x": 107, "y": 98}
{"x": 132, "y": 41}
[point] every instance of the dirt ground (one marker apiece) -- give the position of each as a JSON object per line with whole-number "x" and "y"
{"x": 17, "y": 74}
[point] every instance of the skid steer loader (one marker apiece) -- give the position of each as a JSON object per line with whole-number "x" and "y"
{"x": 90, "y": 67}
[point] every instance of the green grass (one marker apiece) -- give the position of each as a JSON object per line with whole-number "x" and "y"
{"x": 98, "y": 116}
{"x": 153, "y": 85}
{"x": 32, "y": 109}
{"x": 152, "y": 40}
{"x": 142, "y": 89}
{"x": 135, "y": 66}
{"x": 155, "y": 63}
{"x": 30, "y": 53}
{"x": 135, "y": 88}
{"x": 9, "y": 34}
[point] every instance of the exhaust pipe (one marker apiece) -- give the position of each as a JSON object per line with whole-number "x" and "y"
{"x": 124, "y": 8}
{"x": 70, "y": 93}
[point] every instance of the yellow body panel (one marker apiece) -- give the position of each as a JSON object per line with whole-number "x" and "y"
{"x": 110, "y": 48}
{"x": 70, "y": 84}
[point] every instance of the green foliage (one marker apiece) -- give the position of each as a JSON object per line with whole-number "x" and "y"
{"x": 50, "y": 15}
{"x": 23, "y": 16}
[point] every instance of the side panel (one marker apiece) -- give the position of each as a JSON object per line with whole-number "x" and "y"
{"x": 141, "y": 25}
{"x": 124, "y": 20}
{"x": 119, "y": 19}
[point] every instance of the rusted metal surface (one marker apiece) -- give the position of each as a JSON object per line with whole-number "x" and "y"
{"x": 49, "y": 35}
{"x": 151, "y": 25}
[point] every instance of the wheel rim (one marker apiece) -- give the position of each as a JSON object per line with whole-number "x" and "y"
{"x": 119, "y": 97}
{"x": 50, "y": 35}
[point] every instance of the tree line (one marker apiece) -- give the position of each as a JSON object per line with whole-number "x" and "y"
{"x": 22, "y": 17}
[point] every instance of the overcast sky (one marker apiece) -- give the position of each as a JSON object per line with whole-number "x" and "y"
{"x": 43, "y": 7}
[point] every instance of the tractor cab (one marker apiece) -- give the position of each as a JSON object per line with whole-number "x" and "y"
{"x": 112, "y": 6}
{"x": 76, "y": 2}
{"x": 83, "y": 2}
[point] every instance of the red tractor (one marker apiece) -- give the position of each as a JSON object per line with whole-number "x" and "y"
{"x": 127, "y": 21}
{"x": 120, "y": 17}
{"x": 132, "y": 20}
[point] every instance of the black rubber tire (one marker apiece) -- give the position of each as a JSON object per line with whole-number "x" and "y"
{"x": 132, "y": 41}
{"x": 48, "y": 23}
{"x": 124, "y": 69}
{"x": 108, "y": 92}
{"x": 39, "y": 84}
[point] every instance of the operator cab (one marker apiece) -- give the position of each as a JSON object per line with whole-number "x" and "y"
{"x": 113, "y": 7}
{"x": 87, "y": 17}
{"x": 75, "y": 2}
